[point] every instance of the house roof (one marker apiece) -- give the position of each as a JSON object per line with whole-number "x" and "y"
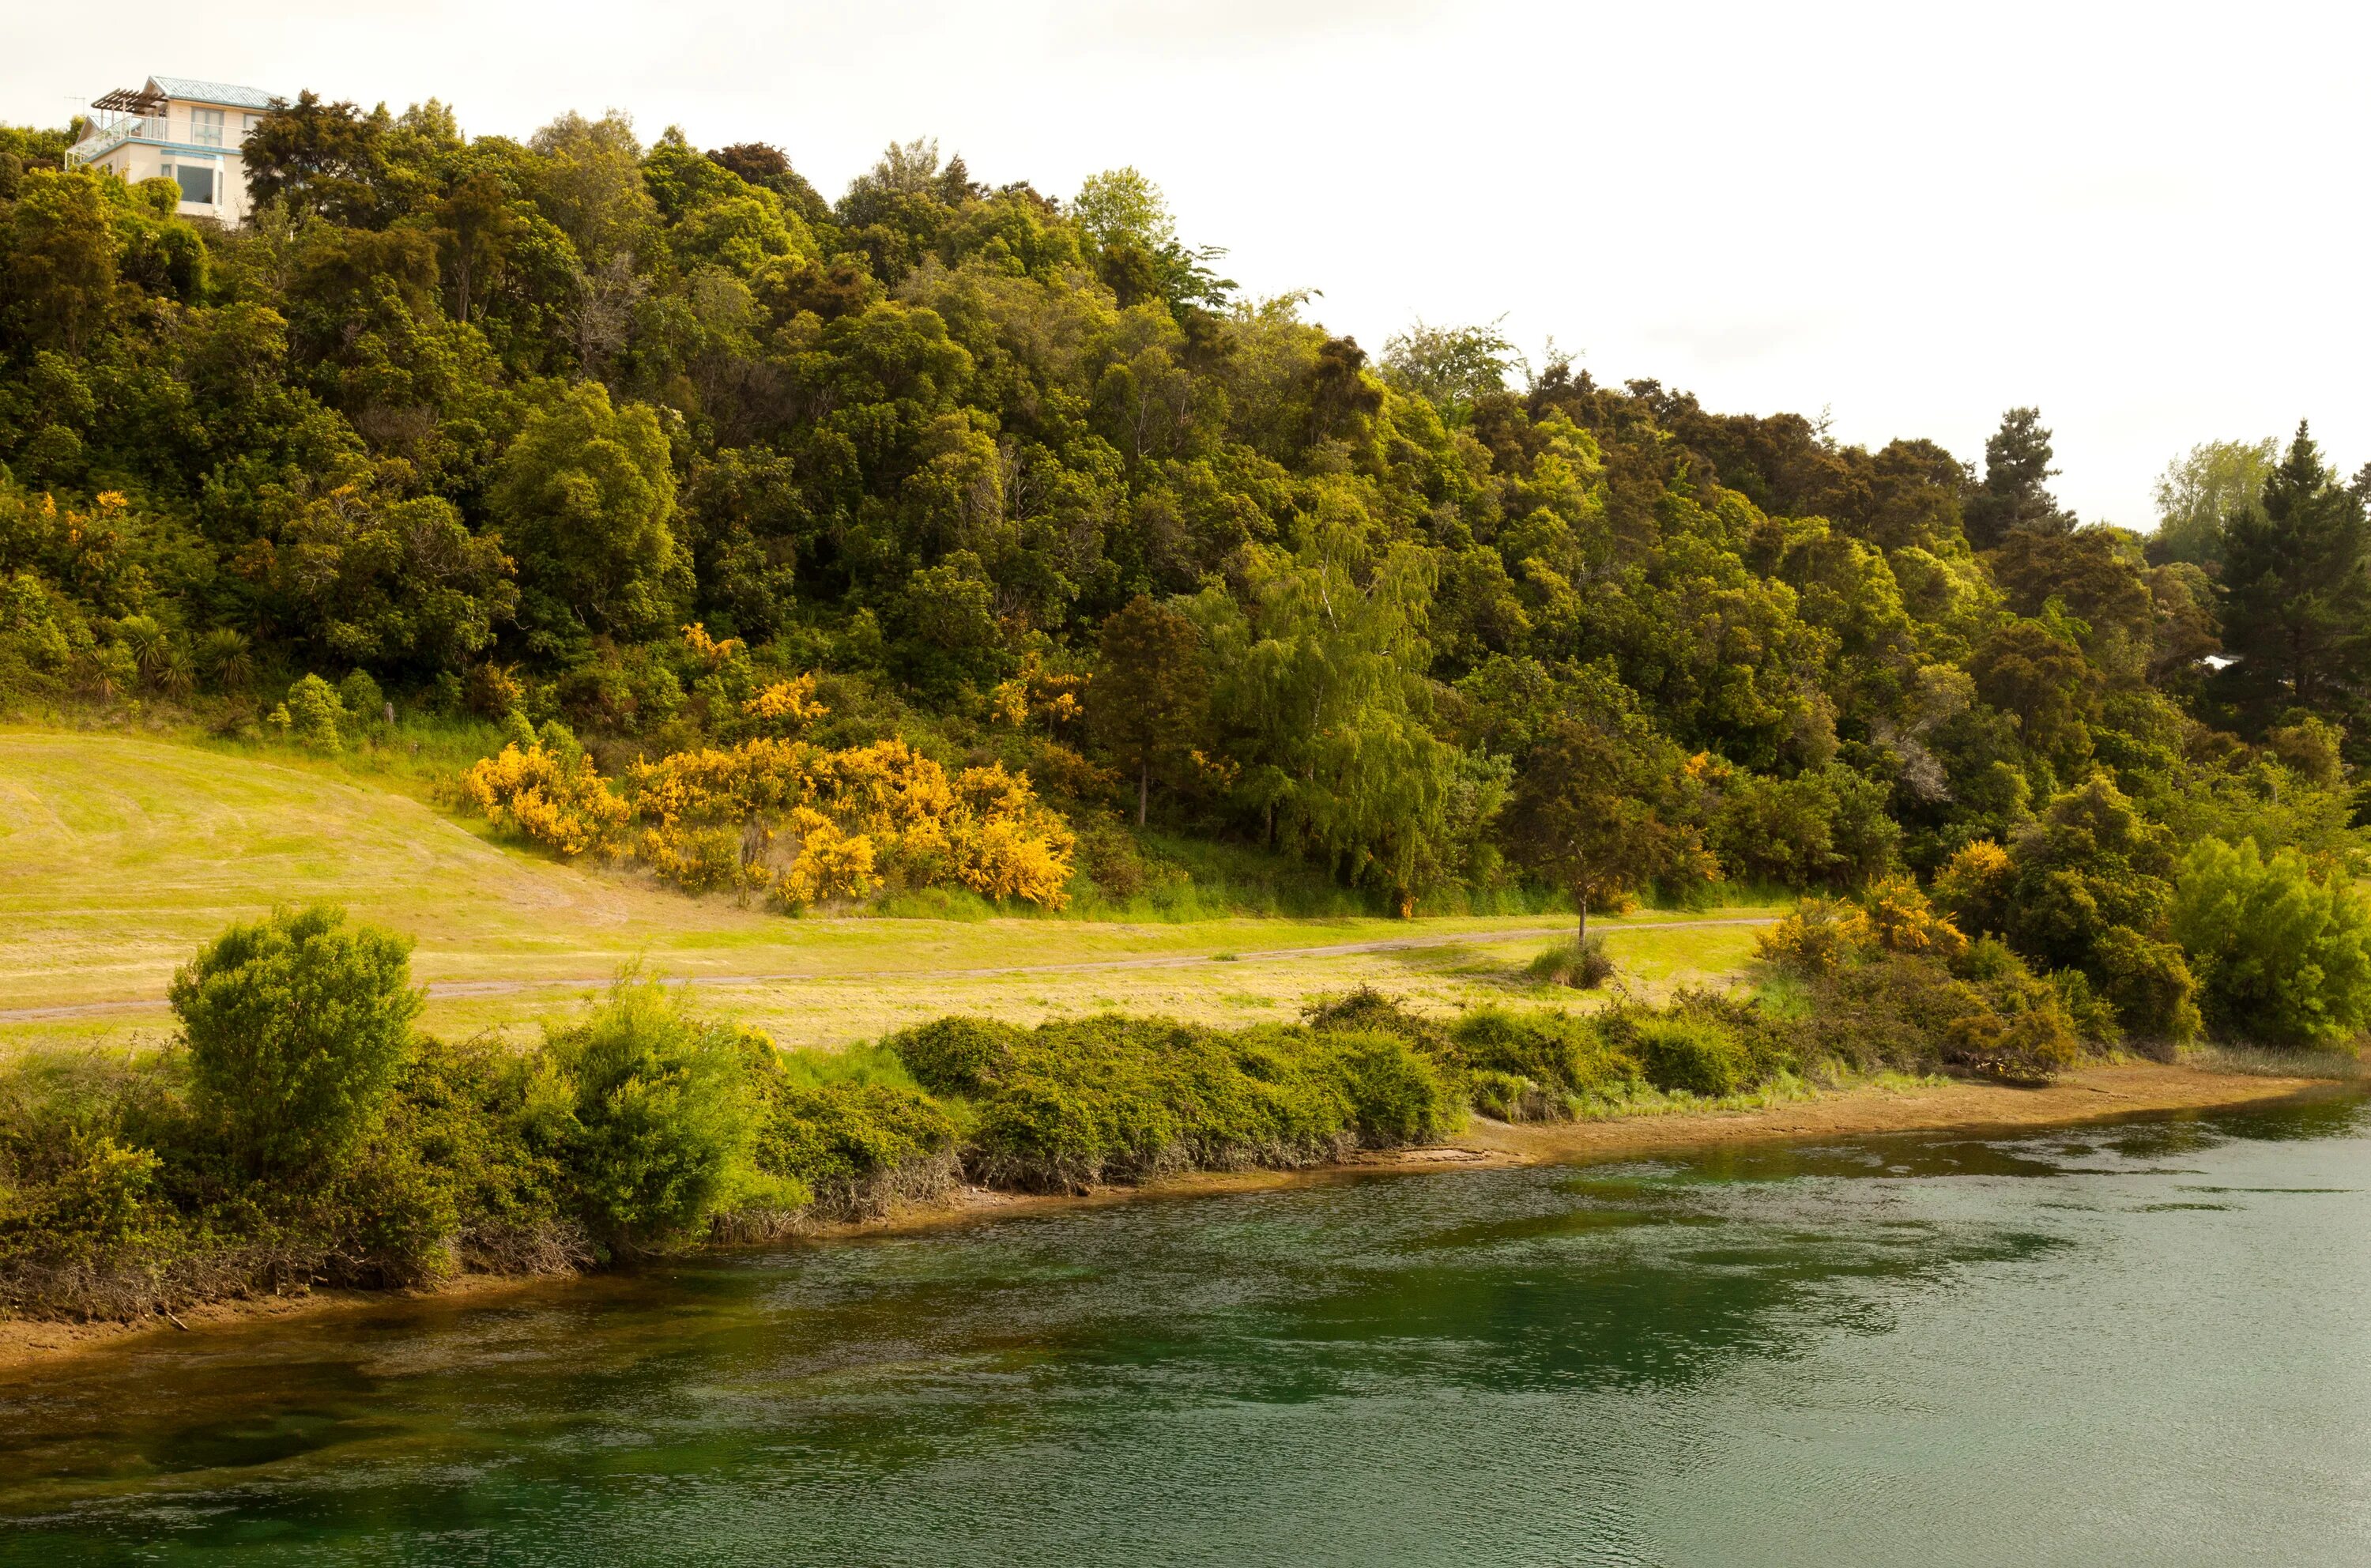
{"x": 214, "y": 92}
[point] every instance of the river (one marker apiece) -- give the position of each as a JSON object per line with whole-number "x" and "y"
{"x": 2141, "y": 1343}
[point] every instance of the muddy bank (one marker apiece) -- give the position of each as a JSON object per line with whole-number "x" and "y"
{"x": 2092, "y": 1094}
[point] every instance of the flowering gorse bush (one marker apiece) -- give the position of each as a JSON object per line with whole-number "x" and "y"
{"x": 799, "y": 822}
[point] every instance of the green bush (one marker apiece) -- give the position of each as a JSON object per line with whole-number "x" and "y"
{"x": 1117, "y": 1098}
{"x": 1698, "y": 1055}
{"x": 1398, "y": 1095}
{"x": 956, "y": 1055}
{"x": 651, "y": 1114}
{"x": 1584, "y": 966}
{"x": 855, "y": 1145}
{"x": 2020, "y": 1033}
{"x": 1557, "y": 1056}
{"x": 297, "y": 1027}
{"x": 2147, "y": 981}
{"x": 312, "y": 715}
{"x": 2282, "y": 957}
{"x": 1366, "y": 1009}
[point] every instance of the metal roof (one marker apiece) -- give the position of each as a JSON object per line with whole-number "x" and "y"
{"x": 214, "y": 92}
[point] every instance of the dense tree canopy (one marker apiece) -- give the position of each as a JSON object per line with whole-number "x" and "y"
{"x": 623, "y": 436}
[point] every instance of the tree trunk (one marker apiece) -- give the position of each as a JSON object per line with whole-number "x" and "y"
{"x": 1143, "y": 787}
{"x": 1580, "y": 938}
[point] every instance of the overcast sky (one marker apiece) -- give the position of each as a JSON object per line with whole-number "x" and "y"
{"x": 2145, "y": 220}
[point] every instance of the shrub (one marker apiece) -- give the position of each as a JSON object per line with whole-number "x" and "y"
{"x": 312, "y": 715}
{"x": 297, "y": 1027}
{"x": 1553, "y": 1055}
{"x": 957, "y": 1055}
{"x": 1118, "y": 1098}
{"x": 1696, "y": 1054}
{"x": 2280, "y": 956}
{"x": 1818, "y": 937}
{"x": 1975, "y": 887}
{"x": 1368, "y": 1009}
{"x": 361, "y": 697}
{"x": 1396, "y": 1094}
{"x": 2024, "y": 1037}
{"x": 855, "y": 1147}
{"x": 1583, "y": 965}
{"x": 2146, "y": 983}
{"x": 557, "y": 802}
{"x": 650, "y": 1112}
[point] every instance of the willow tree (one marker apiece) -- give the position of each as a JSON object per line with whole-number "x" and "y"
{"x": 1324, "y": 698}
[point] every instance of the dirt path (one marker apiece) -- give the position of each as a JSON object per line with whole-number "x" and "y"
{"x": 2092, "y": 1095}
{"x": 442, "y": 990}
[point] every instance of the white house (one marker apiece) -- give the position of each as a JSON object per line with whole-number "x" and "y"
{"x": 182, "y": 131}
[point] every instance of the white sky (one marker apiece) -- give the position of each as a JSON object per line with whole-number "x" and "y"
{"x": 2148, "y": 220}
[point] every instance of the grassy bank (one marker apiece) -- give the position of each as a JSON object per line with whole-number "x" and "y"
{"x": 120, "y": 854}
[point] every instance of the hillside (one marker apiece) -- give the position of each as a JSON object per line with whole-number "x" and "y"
{"x": 119, "y": 855}
{"x": 943, "y": 544}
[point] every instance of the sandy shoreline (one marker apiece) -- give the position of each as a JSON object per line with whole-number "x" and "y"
{"x": 2093, "y": 1095}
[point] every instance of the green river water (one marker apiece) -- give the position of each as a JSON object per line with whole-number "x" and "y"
{"x": 2143, "y": 1344}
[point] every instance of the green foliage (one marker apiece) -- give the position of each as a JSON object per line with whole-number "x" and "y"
{"x": 1600, "y": 807}
{"x": 1150, "y": 697}
{"x": 1585, "y": 965}
{"x": 1824, "y": 828}
{"x": 850, "y": 1145}
{"x": 297, "y": 1027}
{"x": 2088, "y": 887}
{"x": 586, "y": 494}
{"x": 1538, "y": 1066}
{"x": 2213, "y": 481}
{"x": 1115, "y": 1099}
{"x": 956, "y": 1055}
{"x": 650, "y": 1108}
{"x": 313, "y": 715}
{"x": 2297, "y": 588}
{"x": 2283, "y": 957}
{"x": 1696, "y": 1054}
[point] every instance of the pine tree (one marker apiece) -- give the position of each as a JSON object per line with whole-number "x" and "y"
{"x": 2296, "y": 593}
{"x": 2016, "y": 492}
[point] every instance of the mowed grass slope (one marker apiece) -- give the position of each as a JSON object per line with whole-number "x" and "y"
{"x": 120, "y": 854}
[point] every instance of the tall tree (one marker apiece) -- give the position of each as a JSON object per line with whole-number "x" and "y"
{"x": 328, "y": 158}
{"x": 2201, "y": 489}
{"x": 1601, "y": 797}
{"x": 2296, "y": 592}
{"x": 2015, "y": 489}
{"x": 587, "y": 495}
{"x": 1151, "y": 691}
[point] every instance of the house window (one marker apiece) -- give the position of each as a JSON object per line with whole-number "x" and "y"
{"x": 205, "y": 127}
{"x": 197, "y": 183}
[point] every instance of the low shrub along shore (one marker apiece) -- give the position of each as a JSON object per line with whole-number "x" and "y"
{"x": 302, "y": 1132}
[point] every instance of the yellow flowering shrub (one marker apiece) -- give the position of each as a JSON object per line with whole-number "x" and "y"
{"x": 1821, "y": 937}
{"x": 564, "y": 804}
{"x": 798, "y": 823}
{"x": 1898, "y": 919}
{"x": 789, "y": 704}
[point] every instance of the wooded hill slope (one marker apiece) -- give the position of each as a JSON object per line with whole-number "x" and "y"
{"x": 632, "y": 438}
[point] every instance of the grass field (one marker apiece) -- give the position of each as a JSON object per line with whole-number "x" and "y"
{"x": 120, "y": 854}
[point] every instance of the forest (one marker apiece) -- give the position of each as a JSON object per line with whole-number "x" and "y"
{"x": 944, "y": 535}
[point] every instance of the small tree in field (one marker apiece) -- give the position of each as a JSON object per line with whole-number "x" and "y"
{"x": 1149, "y": 692}
{"x": 297, "y": 1026}
{"x": 1594, "y": 811}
